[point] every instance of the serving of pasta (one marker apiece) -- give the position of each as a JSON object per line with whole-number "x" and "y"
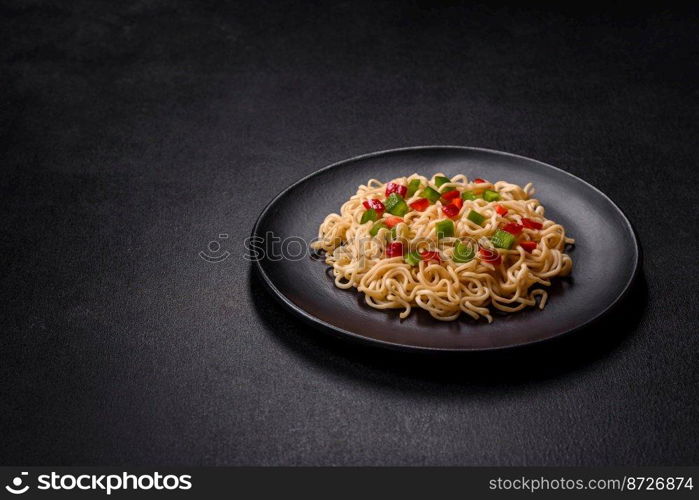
{"x": 445, "y": 245}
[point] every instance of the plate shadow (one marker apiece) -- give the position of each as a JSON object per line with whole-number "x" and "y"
{"x": 482, "y": 370}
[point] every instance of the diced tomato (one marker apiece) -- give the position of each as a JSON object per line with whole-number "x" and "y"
{"x": 451, "y": 210}
{"x": 392, "y": 187}
{"x": 450, "y": 195}
{"x": 500, "y": 210}
{"x": 392, "y": 220}
{"x": 479, "y": 181}
{"x": 528, "y": 246}
{"x": 458, "y": 202}
{"x": 512, "y": 228}
{"x": 420, "y": 205}
{"x": 531, "y": 224}
{"x": 489, "y": 256}
{"x": 375, "y": 204}
{"x": 394, "y": 249}
{"x": 427, "y": 256}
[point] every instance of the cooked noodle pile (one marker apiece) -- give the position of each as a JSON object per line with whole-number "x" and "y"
{"x": 415, "y": 242}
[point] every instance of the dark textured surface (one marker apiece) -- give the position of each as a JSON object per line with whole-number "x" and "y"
{"x": 132, "y": 135}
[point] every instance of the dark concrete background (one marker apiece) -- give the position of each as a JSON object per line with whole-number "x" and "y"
{"x": 133, "y": 133}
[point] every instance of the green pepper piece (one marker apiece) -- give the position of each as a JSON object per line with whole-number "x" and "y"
{"x": 396, "y": 205}
{"x": 431, "y": 194}
{"x": 463, "y": 252}
{"x": 413, "y": 186}
{"x": 490, "y": 195}
{"x": 394, "y": 233}
{"x": 369, "y": 215}
{"x": 469, "y": 195}
{"x": 441, "y": 180}
{"x": 412, "y": 258}
{"x": 445, "y": 229}
{"x": 474, "y": 216}
{"x": 375, "y": 228}
{"x": 503, "y": 239}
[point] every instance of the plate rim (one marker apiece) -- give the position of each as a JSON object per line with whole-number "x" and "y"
{"x": 338, "y": 331}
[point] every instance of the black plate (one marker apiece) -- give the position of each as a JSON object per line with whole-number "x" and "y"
{"x": 605, "y": 258}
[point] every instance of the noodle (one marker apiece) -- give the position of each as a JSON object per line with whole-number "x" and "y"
{"x": 466, "y": 268}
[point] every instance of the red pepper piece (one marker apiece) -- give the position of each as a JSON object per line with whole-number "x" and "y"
{"x": 427, "y": 256}
{"x": 479, "y": 181}
{"x": 420, "y": 205}
{"x": 531, "y": 224}
{"x": 394, "y": 249}
{"x": 512, "y": 228}
{"x": 528, "y": 246}
{"x": 375, "y": 204}
{"x": 458, "y": 202}
{"x": 501, "y": 210}
{"x": 392, "y": 187}
{"x": 392, "y": 221}
{"x": 450, "y": 195}
{"x": 451, "y": 210}
{"x": 489, "y": 256}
